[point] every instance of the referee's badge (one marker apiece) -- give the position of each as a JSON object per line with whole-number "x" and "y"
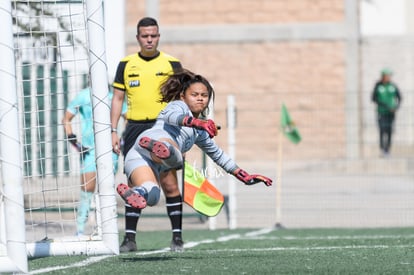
{"x": 134, "y": 83}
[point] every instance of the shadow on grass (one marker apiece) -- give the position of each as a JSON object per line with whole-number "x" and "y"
{"x": 141, "y": 258}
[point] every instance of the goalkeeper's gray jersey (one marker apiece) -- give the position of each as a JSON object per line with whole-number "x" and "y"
{"x": 186, "y": 137}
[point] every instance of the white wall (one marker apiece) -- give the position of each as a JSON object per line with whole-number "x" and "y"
{"x": 384, "y": 17}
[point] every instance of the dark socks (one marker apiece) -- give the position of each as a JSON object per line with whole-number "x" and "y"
{"x": 175, "y": 213}
{"x": 131, "y": 219}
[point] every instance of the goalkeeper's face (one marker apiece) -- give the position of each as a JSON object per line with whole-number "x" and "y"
{"x": 196, "y": 96}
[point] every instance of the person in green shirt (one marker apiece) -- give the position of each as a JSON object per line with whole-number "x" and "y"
{"x": 388, "y": 99}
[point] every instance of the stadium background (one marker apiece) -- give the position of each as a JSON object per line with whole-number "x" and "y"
{"x": 307, "y": 54}
{"x": 314, "y": 59}
{"x": 312, "y": 56}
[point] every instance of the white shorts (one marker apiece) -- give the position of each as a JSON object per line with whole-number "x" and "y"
{"x": 138, "y": 156}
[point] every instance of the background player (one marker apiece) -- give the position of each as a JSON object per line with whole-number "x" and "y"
{"x": 82, "y": 105}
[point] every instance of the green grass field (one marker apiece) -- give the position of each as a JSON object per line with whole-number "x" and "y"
{"x": 253, "y": 251}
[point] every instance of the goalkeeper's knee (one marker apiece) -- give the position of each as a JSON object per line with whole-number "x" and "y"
{"x": 150, "y": 191}
{"x": 175, "y": 160}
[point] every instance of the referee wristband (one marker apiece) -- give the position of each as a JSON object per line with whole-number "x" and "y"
{"x": 114, "y": 130}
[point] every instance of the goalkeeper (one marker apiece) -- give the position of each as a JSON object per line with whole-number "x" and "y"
{"x": 176, "y": 130}
{"x": 82, "y": 105}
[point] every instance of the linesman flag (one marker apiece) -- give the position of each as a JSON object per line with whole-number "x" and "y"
{"x": 200, "y": 194}
{"x": 288, "y": 126}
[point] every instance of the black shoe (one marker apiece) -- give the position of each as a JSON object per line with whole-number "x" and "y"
{"x": 128, "y": 245}
{"x": 177, "y": 245}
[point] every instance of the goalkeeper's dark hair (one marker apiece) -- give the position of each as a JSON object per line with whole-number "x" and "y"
{"x": 179, "y": 82}
{"x": 146, "y": 22}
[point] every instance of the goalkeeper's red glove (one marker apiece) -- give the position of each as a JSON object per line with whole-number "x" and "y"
{"x": 251, "y": 179}
{"x": 207, "y": 125}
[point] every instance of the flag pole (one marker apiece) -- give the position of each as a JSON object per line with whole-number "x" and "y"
{"x": 183, "y": 181}
{"x": 289, "y": 129}
{"x": 278, "y": 224}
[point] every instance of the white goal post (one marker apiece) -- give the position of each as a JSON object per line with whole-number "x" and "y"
{"x": 44, "y": 64}
{"x": 12, "y": 235}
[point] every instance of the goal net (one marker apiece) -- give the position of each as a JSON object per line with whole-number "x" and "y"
{"x": 56, "y": 48}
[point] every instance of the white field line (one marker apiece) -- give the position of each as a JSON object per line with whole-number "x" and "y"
{"x": 83, "y": 263}
{"x": 257, "y": 234}
{"x": 359, "y": 237}
{"x": 311, "y": 248}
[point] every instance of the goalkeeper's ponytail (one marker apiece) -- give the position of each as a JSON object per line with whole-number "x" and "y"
{"x": 172, "y": 88}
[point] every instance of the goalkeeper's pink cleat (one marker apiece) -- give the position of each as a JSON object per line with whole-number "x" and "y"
{"x": 159, "y": 148}
{"x": 131, "y": 197}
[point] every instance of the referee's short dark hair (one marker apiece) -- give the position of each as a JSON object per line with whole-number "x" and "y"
{"x": 146, "y": 22}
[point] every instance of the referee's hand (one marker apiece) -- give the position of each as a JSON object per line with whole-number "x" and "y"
{"x": 116, "y": 144}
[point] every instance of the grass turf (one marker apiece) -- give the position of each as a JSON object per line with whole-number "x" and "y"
{"x": 250, "y": 251}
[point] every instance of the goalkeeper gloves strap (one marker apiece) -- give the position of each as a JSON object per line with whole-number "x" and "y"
{"x": 251, "y": 179}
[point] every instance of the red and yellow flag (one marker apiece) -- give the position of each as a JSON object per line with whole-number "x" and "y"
{"x": 200, "y": 194}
